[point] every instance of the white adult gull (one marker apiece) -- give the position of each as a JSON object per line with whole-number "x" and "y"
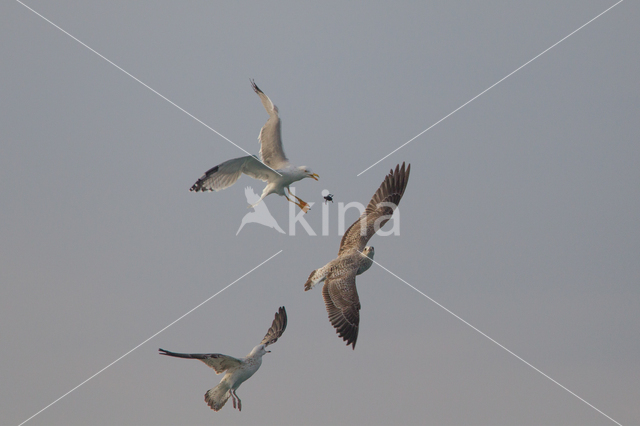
{"x": 279, "y": 174}
{"x": 354, "y": 257}
{"x": 238, "y": 369}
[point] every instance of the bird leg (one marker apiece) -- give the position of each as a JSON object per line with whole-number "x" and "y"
{"x": 235, "y": 396}
{"x": 303, "y": 205}
{"x": 290, "y": 200}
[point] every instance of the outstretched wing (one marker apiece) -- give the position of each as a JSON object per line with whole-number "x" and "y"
{"x": 277, "y": 327}
{"x": 226, "y": 174}
{"x": 342, "y": 302}
{"x": 271, "y": 150}
{"x": 378, "y": 211}
{"x": 218, "y": 362}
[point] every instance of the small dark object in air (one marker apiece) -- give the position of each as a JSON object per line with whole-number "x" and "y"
{"x": 328, "y": 197}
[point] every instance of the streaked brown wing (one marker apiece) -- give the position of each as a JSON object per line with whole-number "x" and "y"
{"x": 342, "y": 303}
{"x": 278, "y": 326}
{"x": 378, "y": 211}
{"x": 218, "y": 362}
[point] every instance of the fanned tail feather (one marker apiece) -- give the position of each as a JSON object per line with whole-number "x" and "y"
{"x": 309, "y": 284}
{"x": 217, "y": 397}
{"x": 317, "y": 276}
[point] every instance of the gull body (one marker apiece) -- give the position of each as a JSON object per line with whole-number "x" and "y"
{"x": 273, "y": 166}
{"x": 238, "y": 370}
{"x": 355, "y": 257}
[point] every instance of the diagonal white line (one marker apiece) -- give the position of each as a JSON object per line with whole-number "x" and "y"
{"x": 146, "y": 85}
{"x": 502, "y": 346}
{"x": 145, "y": 341}
{"x": 489, "y": 88}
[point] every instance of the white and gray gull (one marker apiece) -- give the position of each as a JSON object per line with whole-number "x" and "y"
{"x": 354, "y": 257}
{"x": 274, "y": 169}
{"x": 238, "y": 369}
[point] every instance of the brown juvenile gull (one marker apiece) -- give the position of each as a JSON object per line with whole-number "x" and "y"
{"x": 238, "y": 369}
{"x": 354, "y": 257}
{"x": 279, "y": 174}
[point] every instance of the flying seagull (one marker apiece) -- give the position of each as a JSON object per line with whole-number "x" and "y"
{"x": 354, "y": 257}
{"x": 279, "y": 174}
{"x": 238, "y": 369}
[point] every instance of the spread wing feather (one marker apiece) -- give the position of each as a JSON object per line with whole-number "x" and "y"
{"x": 226, "y": 174}
{"x": 218, "y": 362}
{"x": 270, "y": 138}
{"x": 342, "y": 302}
{"x": 378, "y": 211}
{"x": 278, "y": 326}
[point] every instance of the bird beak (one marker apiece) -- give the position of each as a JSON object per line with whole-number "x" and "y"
{"x": 268, "y": 352}
{"x": 314, "y": 176}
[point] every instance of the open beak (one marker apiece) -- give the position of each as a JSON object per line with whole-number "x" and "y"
{"x": 314, "y": 176}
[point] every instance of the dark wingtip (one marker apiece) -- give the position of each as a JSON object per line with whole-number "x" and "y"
{"x": 197, "y": 187}
{"x": 349, "y": 338}
{"x": 283, "y": 312}
{"x": 255, "y": 87}
{"x": 401, "y": 175}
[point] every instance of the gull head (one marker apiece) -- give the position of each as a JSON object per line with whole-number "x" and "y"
{"x": 307, "y": 173}
{"x": 258, "y": 351}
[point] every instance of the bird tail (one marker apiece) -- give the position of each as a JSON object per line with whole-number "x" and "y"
{"x": 315, "y": 277}
{"x": 218, "y": 396}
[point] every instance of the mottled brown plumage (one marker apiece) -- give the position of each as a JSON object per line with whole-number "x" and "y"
{"x": 354, "y": 257}
{"x": 237, "y": 369}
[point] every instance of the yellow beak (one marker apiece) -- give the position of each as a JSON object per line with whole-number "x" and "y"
{"x": 314, "y": 176}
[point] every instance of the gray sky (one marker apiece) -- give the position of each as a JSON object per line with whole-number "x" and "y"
{"x": 521, "y": 215}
